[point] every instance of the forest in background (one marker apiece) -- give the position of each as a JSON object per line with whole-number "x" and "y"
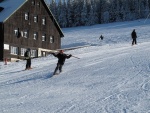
{"x": 71, "y": 13}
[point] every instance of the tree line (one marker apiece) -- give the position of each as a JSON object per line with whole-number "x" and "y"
{"x": 71, "y": 13}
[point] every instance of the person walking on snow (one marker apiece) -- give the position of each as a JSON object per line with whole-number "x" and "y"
{"x": 27, "y": 56}
{"x": 134, "y": 36}
{"x": 61, "y": 60}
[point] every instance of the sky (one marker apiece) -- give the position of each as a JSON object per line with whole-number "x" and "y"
{"x": 111, "y": 76}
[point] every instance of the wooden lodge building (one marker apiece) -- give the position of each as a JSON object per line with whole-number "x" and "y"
{"x": 27, "y": 24}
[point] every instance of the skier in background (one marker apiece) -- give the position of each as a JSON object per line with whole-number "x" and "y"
{"x": 27, "y": 56}
{"x": 134, "y": 36}
{"x": 61, "y": 60}
{"x": 101, "y": 37}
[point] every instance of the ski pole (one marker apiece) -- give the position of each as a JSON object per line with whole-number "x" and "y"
{"x": 75, "y": 57}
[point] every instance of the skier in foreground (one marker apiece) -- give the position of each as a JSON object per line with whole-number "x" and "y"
{"x": 61, "y": 60}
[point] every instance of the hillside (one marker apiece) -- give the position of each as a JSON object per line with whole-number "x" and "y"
{"x": 111, "y": 76}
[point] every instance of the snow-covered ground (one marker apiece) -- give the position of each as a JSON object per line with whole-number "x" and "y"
{"x": 111, "y": 76}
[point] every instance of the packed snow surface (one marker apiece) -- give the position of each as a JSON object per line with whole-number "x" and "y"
{"x": 111, "y": 76}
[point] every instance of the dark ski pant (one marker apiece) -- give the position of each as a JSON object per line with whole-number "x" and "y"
{"x": 59, "y": 66}
{"x": 28, "y": 64}
{"x": 134, "y": 41}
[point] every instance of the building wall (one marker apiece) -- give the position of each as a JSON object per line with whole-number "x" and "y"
{"x": 17, "y": 22}
{"x": 1, "y": 41}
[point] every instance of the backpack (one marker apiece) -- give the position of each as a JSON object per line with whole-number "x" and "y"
{"x": 26, "y": 54}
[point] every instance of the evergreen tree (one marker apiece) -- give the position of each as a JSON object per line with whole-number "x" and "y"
{"x": 92, "y": 18}
{"x": 53, "y": 8}
{"x": 89, "y": 12}
{"x": 96, "y": 20}
{"x": 76, "y": 12}
{"x": 144, "y": 12}
{"x": 84, "y": 14}
{"x": 59, "y": 12}
{"x": 103, "y": 11}
{"x": 64, "y": 16}
{"x": 127, "y": 12}
{"x": 62, "y": 20}
{"x": 113, "y": 11}
{"x": 69, "y": 13}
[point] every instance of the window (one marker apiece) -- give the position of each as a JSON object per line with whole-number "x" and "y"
{"x": 51, "y": 39}
{"x": 6, "y": 46}
{"x": 35, "y": 19}
{"x": 16, "y": 32}
{"x": 25, "y": 34}
{"x": 33, "y": 2}
{"x": 26, "y": 16}
{"x": 35, "y": 35}
{"x": 14, "y": 50}
{"x": 33, "y": 53}
{"x": 43, "y": 21}
{"x": 44, "y": 37}
{"x": 38, "y": 4}
{"x": 23, "y": 50}
{"x": 22, "y": 33}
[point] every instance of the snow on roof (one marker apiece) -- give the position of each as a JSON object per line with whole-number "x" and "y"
{"x": 10, "y": 6}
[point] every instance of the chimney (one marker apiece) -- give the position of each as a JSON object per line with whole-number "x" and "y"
{"x": 1, "y": 8}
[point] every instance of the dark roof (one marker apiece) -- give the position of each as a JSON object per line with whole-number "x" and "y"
{"x": 10, "y": 6}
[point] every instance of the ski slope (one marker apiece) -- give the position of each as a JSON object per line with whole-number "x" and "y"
{"x": 111, "y": 76}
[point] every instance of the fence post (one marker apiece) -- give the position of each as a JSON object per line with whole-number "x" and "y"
{"x": 5, "y": 61}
